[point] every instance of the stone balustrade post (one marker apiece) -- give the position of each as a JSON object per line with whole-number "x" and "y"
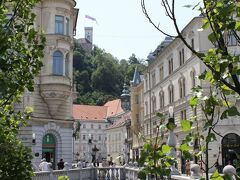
{"x": 195, "y": 171}
{"x": 230, "y": 170}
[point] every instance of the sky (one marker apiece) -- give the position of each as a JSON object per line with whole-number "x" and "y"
{"x": 122, "y": 29}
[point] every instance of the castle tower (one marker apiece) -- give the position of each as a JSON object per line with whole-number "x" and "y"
{"x": 49, "y": 133}
{"x": 89, "y": 34}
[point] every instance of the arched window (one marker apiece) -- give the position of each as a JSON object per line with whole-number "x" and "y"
{"x": 57, "y": 63}
{"x": 182, "y": 89}
{"x": 193, "y": 78}
{"x": 154, "y": 104}
{"x": 67, "y": 65}
{"x": 230, "y": 149}
{"x": 171, "y": 93}
{"x": 161, "y": 99}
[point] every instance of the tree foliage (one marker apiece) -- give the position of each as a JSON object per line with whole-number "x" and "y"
{"x": 222, "y": 18}
{"x": 99, "y": 76}
{"x": 21, "y": 51}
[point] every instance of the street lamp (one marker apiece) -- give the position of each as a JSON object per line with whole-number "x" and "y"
{"x": 126, "y": 154}
{"x": 89, "y": 158}
{"x": 172, "y": 142}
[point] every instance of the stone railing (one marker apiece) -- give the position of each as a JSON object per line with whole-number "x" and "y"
{"x": 91, "y": 173}
{"x": 116, "y": 173}
{"x": 73, "y": 174}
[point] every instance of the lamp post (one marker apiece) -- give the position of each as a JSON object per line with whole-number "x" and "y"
{"x": 172, "y": 142}
{"x": 89, "y": 158}
{"x": 126, "y": 154}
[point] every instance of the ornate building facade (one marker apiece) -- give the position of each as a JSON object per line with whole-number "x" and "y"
{"x": 171, "y": 74}
{"x": 49, "y": 133}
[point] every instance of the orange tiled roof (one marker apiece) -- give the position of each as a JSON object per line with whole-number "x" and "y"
{"x": 121, "y": 120}
{"x": 114, "y": 107}
{"x": 87, "y": 112}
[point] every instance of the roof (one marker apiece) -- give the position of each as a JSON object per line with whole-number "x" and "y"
{"x": 113, "y": 107}
{"x": 87, "y": 112}
{"x": 121, "y": 121}
{"x": 136, "y": 78}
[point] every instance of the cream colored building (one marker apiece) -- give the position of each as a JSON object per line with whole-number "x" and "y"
{"x": 49, "y": 133}
{"x": 94, "y": 121}
{"x": 137, "y": 112}
{"x": 168, "y": 80}
{"x": 118, "y": 138}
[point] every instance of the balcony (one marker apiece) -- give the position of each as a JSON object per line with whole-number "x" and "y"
{"x": 55, "y": 90}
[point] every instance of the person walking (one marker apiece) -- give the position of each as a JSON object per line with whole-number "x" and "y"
{"x": 43, "y": 166}
{"x": 187, "y": 168}
{"x": 60, "y": 164}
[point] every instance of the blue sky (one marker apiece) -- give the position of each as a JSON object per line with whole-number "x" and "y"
{"x": 122, "y": 28}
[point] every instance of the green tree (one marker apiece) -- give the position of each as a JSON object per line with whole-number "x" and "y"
{"x": 222, "y": 18}
{"x": 21, "y": 51}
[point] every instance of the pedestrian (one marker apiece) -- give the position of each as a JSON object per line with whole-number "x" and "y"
{"x": 60, "y": 164}
{"x": 187, "y": 168}
{"x": 43, "y": 166}
{"x": 110, "y": 162}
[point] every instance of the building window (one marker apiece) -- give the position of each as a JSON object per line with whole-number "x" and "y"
{"x": 192, "y": 43}
{"x": 181, "y": 57}
{"x": 146, "y": 83}
{"x": 232, "y": 41}
{"x": 106, "y": 126}
{"x": 153, "y": 79}
{"x": 59, "y": 24}
{"x": 99, "y": 126}
{"x": 171, "y": 93}
{"x": 193, "y": 78}
{"x": 161, "y": 98}
{"x": 170, "y": 66}
{"x": 67, "y": 65}
{"x": 84, "y": 126}
{"x": 154, "y": 104}
{"x": 183, "y": 114}
{"x": 182, "y": 90}
{"x": 91, "y": 126}
{"x": 147, "y": 130}
{"x": 195, "y": 111}
{"x": 136, "y": 99}
{"x": 161, "y": 75}
{"x": 57, "y": 63}
{"x": 67, "y": 26}
{"x": 146, "y": 108}
{"x": 84, "y": 137}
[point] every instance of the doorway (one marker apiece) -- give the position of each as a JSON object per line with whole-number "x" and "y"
{"x": 230, "y": 149}
{"x": 49, "y": 149}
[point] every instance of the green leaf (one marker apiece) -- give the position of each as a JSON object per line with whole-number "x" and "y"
{"x": 193, "y": 101}
{"x": 184, "y": 147}
{"x": 212, "y": 37}
{"x": 216, "y": 176}
{"x": 142, "y": 175}
{"x": 211, "y": 137}
{"x": 170, "y": 126}
{"x": 186, "y": 125}
{"x": 232, "y": 111}
{"x": 165, "y": 149}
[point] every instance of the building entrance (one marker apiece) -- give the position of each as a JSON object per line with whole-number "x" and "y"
{"x": 230, "y": 149}
{"x": 49, "y": 149}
